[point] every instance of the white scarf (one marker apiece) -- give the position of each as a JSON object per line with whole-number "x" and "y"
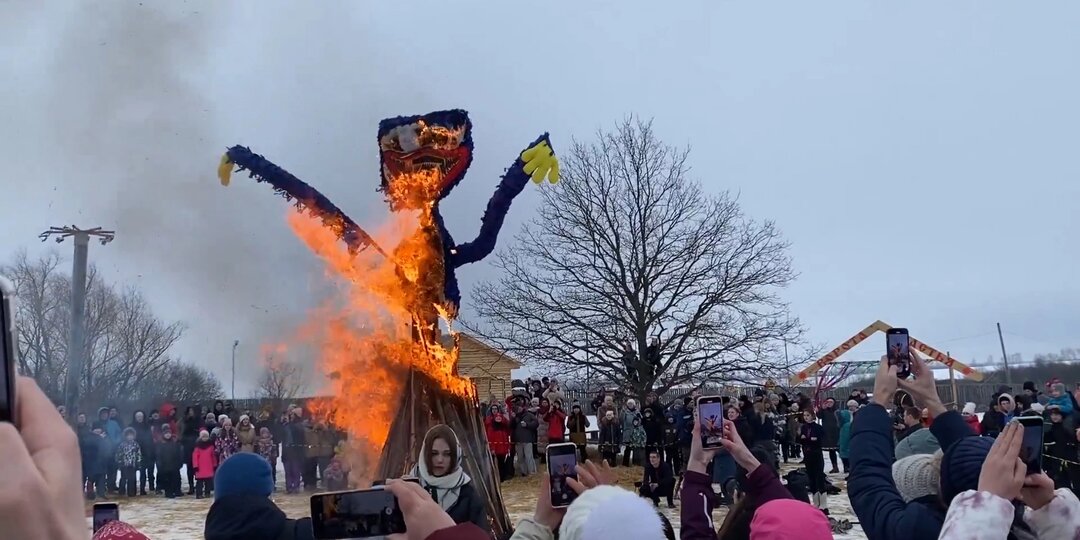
{"x": 447, "y": 487}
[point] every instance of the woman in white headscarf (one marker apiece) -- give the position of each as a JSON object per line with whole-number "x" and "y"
{"x": 439, "y": 469}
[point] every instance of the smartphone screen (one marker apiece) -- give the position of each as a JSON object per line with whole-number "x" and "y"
{"x": 8, "y": 348}
{"x": 562, "y": 460}
{"x": 1031, "y": 448}
{"x": 363, "y": 513}
{"x": 104, "y": 513}
{"x": 710, "y": 411}
{"x": 897, "y": 346}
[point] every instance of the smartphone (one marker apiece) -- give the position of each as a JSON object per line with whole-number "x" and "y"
{"x": 105, "y": 512}
{"x": 364, "y": 513}
{"x": 710, "y": 415}
{"x": 1031, "y": 448}
{"x": 898, "y": 351}
{"x": 562, "y": 461}
{"x": 9, "y": 344}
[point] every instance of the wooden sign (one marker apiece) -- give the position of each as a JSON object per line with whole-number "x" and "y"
{"x": 875, "y": 327}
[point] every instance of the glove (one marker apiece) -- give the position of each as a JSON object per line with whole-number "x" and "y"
{"x": 540, "y": 161}
{"x": 224, "y": 170}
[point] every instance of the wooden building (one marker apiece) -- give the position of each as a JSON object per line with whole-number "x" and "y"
{"x": 488, "y": 367}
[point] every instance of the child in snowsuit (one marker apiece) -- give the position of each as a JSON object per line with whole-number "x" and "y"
{"x": 335, "y": 476}
{"x": 267, "y": 447}
{"x": 205, "y": 461}
{"x": 129, "y": 459}
{"x": 170, "y": 456}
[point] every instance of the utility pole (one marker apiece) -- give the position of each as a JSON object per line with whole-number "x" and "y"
{"x": 76, "y": 336}
{"x": 1004, "y": 356}
{"x": 235, "y": 344}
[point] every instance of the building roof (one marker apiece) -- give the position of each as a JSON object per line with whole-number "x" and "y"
{"x": 475, "y": 342}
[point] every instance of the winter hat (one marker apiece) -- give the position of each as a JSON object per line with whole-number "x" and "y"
{"x": 918, "y": 475}
{"x": 969, "y": 408}
{"x": 244, "y": 417}
{"x": 961, "y": 465}
{"x": 118, "y": 530}
{"x": 1030, "y": 385}
{"x": 243, "y": 474}
{"x": 610, "y": 512}
{"x": 222, "y": 418}
{"x": 781, "y": 519}
{"x": 203, "y": 433}
{"x": 852, "y": 403}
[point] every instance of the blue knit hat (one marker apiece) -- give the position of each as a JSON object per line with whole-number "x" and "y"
{"x": 243, "y": 474}
{"x": 961, "y": 465}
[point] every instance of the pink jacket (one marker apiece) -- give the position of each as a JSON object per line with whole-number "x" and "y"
{"x": 204, "y": 460}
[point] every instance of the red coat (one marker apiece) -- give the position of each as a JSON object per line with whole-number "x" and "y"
{"x": 973, "y": 423}
{"x": 556, "y": 420}
{"x": 498, "y": 433}
{"x": 204, "y": 460}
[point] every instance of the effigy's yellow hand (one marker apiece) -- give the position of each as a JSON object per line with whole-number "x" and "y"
{"x": 224, "y": 170}
{"x": 540, "y": 161}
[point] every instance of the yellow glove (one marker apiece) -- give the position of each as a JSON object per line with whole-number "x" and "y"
{"x": 540, "y": 161}
{"x": 224, "y": 170}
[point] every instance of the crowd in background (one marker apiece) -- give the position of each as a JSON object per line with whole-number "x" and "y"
{"x": 151, "y": 453}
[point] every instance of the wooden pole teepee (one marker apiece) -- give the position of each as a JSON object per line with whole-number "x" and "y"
{"x": 424, "y": 405}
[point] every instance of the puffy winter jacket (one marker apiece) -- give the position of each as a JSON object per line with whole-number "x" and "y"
{"x": 882, "y": 512}
{"x": 525, "y": 426}
{"x": 204, "y": 460}
{"x": 128, "y": 453}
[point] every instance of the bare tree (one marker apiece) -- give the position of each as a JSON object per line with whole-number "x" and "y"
{"x": 281, "y": 381}
{"x": 182, "y": 383}
{"x": 126, "y": 344}
{"x": 628, "y": 248}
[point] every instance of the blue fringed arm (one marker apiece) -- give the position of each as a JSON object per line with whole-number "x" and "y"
{"x": 303, "y": 196}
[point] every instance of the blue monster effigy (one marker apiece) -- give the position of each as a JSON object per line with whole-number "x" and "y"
{"x": 422, "y": 158}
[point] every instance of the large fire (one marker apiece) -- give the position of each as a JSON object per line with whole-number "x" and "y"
{"x": 365, "y": 335}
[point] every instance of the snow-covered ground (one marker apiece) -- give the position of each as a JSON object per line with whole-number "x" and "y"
{"x": 183, "y": 518}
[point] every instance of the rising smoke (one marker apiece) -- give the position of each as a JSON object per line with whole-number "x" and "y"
{"x": 138, "y": 139}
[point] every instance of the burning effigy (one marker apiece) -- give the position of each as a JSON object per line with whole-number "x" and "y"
{"x": 392, "y": 372}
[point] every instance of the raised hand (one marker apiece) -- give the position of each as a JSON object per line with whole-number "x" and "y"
{"x": 734, "y": 444}
{"x": 1003, "y": 471}
{"x": 540, "y": 161}
{"x": 423, "y": 516}
{"x": 922, "y": 388}
{"x": 591, "y": 475}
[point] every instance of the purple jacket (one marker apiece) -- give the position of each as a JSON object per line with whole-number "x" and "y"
{"x": 762, "y": 486}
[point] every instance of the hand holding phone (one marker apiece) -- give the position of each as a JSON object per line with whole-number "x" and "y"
{"x": 363, "y": 513}
{"x": 898, "y": 351}
{"x": 562, "y": 465}
{"x": 423, "y": 516}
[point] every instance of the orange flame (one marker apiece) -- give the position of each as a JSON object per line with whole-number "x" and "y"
{"x": 365, "y": 336}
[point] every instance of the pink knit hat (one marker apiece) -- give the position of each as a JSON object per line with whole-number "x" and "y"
{"x": 785, "y": 519}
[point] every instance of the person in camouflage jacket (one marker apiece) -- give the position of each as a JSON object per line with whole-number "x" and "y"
{"x": 129, "y": 459}
{"x": 633, "y": 433}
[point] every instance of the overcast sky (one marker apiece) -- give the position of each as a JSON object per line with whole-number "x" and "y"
{"x": 921, "y": 158}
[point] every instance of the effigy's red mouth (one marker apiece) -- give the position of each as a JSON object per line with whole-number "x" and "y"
{"x": 448, "y": 163}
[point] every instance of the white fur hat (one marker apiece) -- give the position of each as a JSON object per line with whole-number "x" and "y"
{"x": 609, "y": 512}
{"x": 969, "y": 408}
